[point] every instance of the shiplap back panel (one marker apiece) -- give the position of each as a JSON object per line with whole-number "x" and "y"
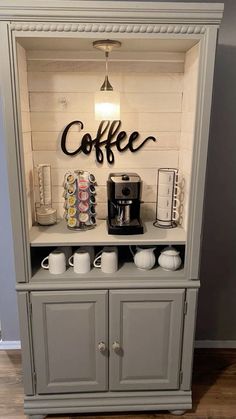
{"x": 151, "y": 103}
{"x": 188, "y": 123}
{"x": 26, "y": 132}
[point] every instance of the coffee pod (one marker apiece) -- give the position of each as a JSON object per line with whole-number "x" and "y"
{"x": 83, "y": 184}
{"x": 92, "y": 220}
{"x": 71, "y": 201}
{"x": 70, "y": 178}
{"x": 83, "y": 217}
{"x": 92, "y": 210}
{"x": 91, "y": 178}
{"x": 71, "y": 222}
{"x": 83, "y": 206}
{"x": 71, "y": 211}
{"x": 92, "y": 199}
{"x": 83, "y": 195}
{"x": 92, "y": 189}
{"x": 71, "y": 189}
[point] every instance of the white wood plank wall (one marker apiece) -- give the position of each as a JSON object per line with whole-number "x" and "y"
{"x": 26, "y": 132}
{"x": 151, "y": 103}
{"x": 188, "y": 124}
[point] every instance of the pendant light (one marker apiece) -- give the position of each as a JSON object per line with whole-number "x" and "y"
{"x": 107, "y": 102}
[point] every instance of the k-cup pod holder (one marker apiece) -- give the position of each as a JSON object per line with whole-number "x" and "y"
{"x": 45, "y": 214}
{"x": 168, "y": 204}
{"x": 80, "y": 200}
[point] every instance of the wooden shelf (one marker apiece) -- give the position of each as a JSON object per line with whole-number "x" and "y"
{"x": 59, "y": 234}
{"x": 128, "y": 275}
{"x": 128, "y": 270}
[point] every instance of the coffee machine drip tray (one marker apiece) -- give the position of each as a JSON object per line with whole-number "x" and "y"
{"x": 134, "y": 227}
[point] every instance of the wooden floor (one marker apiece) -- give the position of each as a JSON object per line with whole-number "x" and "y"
{"x": 214, "y": 388}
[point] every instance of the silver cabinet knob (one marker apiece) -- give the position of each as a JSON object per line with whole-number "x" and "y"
{"x": 116, "y": 346}
{"x": 102, "y": 346}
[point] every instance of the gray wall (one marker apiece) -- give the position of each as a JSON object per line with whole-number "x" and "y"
{"x": 217, "y": 302}
{"x": 8, "y": 306}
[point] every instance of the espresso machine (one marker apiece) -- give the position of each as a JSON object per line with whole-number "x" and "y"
{"x": 124, "y": 199}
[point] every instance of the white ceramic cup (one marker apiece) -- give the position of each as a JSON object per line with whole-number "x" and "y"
{"x": 166, "y": 177}
{"x": 56, "y": 262}
{"x": 90, "y": 250}
{"x": 67, "y": 250}
{"x": 167, "y": 202}
{"x": 165, "y": 216}
{"x": 167, "y": 190}
{"x": 81, "y": 261}
{"x": 107, "y": 260}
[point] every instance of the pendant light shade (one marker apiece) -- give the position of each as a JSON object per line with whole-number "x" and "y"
{"x": 107, "y": 105}
{"x": 107, "y": 101}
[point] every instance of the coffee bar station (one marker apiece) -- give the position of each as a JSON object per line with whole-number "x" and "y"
{"x": 106, "y": 109}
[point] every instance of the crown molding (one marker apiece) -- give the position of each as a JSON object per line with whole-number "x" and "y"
{"x": 107, "y": 28}
{"x": 112, "y": 11}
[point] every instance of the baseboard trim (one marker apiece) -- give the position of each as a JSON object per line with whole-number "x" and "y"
{"x": 221, "y": 344}
{"x": 11, "y": 344}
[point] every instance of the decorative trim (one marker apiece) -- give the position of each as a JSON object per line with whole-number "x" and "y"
{"x": 224, "y": 344}
{"x": 11, "y": 344}
{"x": 107, "y": 402}
{"x": 107, "y": 28}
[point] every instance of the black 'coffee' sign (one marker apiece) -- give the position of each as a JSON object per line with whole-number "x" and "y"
{"x": 114, "y": 138}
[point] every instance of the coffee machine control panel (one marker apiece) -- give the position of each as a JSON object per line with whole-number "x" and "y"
{"x": 124, "y": 191}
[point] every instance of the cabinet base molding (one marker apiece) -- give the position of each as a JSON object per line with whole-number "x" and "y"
{"x": 107, "y": 402}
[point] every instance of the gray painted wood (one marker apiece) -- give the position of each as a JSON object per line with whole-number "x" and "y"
{"x": 10, "y": 134}
{"x": 108, "y": 402}
{"x": 25, "y": 333}
{"x": 67, "y": 328}
{"x": 108, "y": 283}
{"x": 201, "y": 134}
{"x": 148, "y": 327}
{"x": 188, "y": 338}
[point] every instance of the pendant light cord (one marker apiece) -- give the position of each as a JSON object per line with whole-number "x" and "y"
{"x": 107, "y": 56}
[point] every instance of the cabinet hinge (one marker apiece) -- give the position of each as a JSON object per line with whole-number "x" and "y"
{"x": 185, "y": 307}
{"x": 180, "y": 377}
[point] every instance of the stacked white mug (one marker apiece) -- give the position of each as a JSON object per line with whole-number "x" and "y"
{"x": 167, "y": 213}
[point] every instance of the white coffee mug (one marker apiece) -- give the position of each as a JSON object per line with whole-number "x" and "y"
{"x": 81, "y": 261}
{"x": 56, "y": 262}
{"x": 90, "y": 250}
{"x": 67, "y": 250}
{"x": 107, "y": 260}
{"x": 166, "y": 176}
{"x": 165, "y": 216}
{"x": 168, "y": 190}
{"x": 168, "y": 202}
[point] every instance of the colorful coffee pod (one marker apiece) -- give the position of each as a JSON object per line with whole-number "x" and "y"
{"x": 71, "y": 222}
{"x": 71, "y": 201}
{"x": 92, "y": 199}
{"x": 92, "y": 210}
{"x": 83, "y": 217}
{"x": 83, "y": 206}
{"x": 71, "y": 189}
{"x": 83, "y": 184}
{"x": 70, "y": 178}
{"x": 92, "y": 189}
{"x": 71, "y": 211}
{"x": 83, "y": 195}
{"x": 92, "y": 220}
{"x": 91, "y": 178}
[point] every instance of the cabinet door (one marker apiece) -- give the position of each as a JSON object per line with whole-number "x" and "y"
{"x": 145, "y": 339}
{"x": 67, "y": 328}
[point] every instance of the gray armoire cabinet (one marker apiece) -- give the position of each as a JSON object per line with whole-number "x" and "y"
{"x": 99, "y": 342}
